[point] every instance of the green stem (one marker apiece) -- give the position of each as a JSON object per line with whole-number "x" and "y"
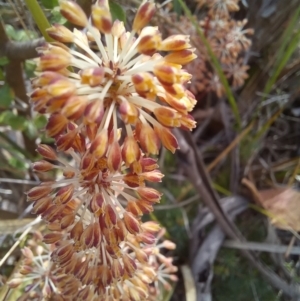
{"x": 216, "y": 64}
{"x": 39, "y": 18}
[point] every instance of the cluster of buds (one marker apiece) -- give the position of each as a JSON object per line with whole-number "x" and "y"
{"x": 39, "y": 276}
{"x": 229, "y": 42}
{"x": 43, "y": 279}
{"x": 92, "y": 84}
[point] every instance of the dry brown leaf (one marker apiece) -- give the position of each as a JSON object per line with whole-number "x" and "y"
{"x": 283, "y": 206}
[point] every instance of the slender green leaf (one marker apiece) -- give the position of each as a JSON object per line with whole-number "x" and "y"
{"x": 39, "y": 18}
{"x": 18, "y": 163}
{"x": 6, "y": 96}
{"x": 40, "y": 121}
{"x": 14, "y": 121}
{"x": 56, "y": 16}
{"x": 49, "y": 3}
{"x": 3, "y": 61}
{"x": 177, "y": 7}
{"x": 117, "y": 11}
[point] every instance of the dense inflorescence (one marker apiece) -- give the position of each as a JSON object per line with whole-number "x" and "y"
{"x": 229, "y": 41}
{"x": 111, "y": 99}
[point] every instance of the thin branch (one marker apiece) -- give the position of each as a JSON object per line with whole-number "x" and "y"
{"x": 21, "y": 51}
{"x": 262, "y": 247}
{"x": 18, "y": 50}
{"x": 14, "y": 77}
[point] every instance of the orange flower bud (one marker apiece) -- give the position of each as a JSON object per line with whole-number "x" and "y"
{"x": 47, "y": 152}
{"x": 67, "y": 221}
{"x": 52, "y": 213}
{"x": 76, "y": 231}
{"x": 94, "y": 112}
{"x": 65, "y": 194}
{"x": 97, "y": 235}
{"x": 144, "y": 85}
{"x": 130, "y": 151}
{"x": 175, "y": 43}
{"x": 166, "y": 74}
{"x": 62, "y": 252}
{"x": 55, "y": 104}
{"x": 188, "y": 122}
{"x": 147, "y": 238}
{"x": 73, "y": 13}
{"x": 120, "y": 230}
{"x": 42, "y": 166}
{"x": 148, "y": 164}
{"x": 74, "y": 107}
{"x": 60, "y": 33}
{"x": 91, "y": 131}
{"x": 92, "y": 76}
{"x": 54, "y": 62}
{"x": 61, "y": 88}
{"x": 38, "y": 192}
{"x": 87, "y": 162}
{"x": 133, "y": 180}
{"x": 102, "y": 19}
{"x": 134, "y": 208}
{"x": 64, "y": 142}
{"x": 110, "y": 216}
{"x": 167, "y": 116}
{"x": 44, "y": 79}
{"x": 149, "y": 194}
{"x": 110, "y": 236}
{"x": 148, "y": 139}
{"x": 141, "y": 256}
{"x": 114, "y": 158}
{"x": 153, "y": 176}
{"x": 168, "y": 140}
{"x": 96, "y": 202}
{"x": 145, "y": 206}
{"x": 149, "y": 40}
{"x": 41, "y": 205}
{"x": 181, "y": 57}
{"x": 150, "y": 226}
{"x": 55, "y": 226}
{"x": 86, "y": 238}
{"x": 131, "y": 223}
{"x": 143, "y": 15}
{"x": 129, "y": 265}
{"x": 56, "y": 124}
{"x": 179, "y": 104}
{"x": 39, "y": 94}
{"x": 52, "y": 238}
{"x": 116, "y": 269}
{"x": 129, "y": 112}
{"x": 99, "y": 145}
{"x": 104, "y": 274}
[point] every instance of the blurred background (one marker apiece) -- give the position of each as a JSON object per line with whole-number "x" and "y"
{"x": 231, "y": 198}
